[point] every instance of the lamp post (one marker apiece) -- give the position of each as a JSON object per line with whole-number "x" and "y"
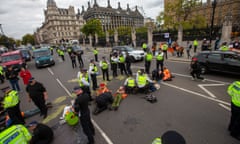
{"x": 214, "y": 4}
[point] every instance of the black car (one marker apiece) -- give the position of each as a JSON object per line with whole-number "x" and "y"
{"x": 223, "y": 61}
{"x": 26, "y": 54}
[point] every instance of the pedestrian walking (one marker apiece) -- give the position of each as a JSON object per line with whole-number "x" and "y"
{"x": 73, "y": 59}
{"x": 11, "y": 103}
{"x": 104, "y": 66}
{"x": 148, "y": 59}
{"x": 160, "y": 59}
{"x": 12, "y": 76}
{"x": 79, "y": 57}
{"x": 95, "y": 52}
{"x": 234, "y": 125}
{"x": 196, "y": 70}
{"x": 81, "y": 105}
{"x": 189, "y": 46}
{"x": 93, "y": 70}
{"x": 38, "y": 94}
{"x": 25, "y": 75}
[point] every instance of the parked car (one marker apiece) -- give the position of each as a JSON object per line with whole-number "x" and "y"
{"x": 43, "y": 57}
{"x": 13, "y": 58}
{"x": 135, "y": 54}
{"x": 77, "y": 49}
{"x": 223, "y": 61}
{"x": 26, "y": 54}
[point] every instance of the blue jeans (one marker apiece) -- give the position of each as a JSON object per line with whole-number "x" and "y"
{"x": 14, "y": 84}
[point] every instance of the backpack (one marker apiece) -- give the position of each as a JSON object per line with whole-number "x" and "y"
{"x": 151, "y": 98}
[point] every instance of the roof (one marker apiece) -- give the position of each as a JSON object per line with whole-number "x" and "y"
{"x": 11, "y": 53}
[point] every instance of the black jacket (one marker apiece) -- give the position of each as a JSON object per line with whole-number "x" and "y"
{"x": 81, "y": 104}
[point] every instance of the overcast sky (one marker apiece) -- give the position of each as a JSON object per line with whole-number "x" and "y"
{"x": 19, "y": 17}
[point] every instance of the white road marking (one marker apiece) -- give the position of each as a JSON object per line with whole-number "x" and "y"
{"x": 195, "y": 93}
{"x": 51, "y": 72}
{"x": 63, "y": 87}
{"x": 227, "y": 108}
{"x": 102, "y": 133}
{"x": 202, "y": 86}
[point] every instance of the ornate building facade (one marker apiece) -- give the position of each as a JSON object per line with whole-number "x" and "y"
{"x": 59, "y": 25}
{"x": 112, "y": 18}
{"x": 224, "y": 9}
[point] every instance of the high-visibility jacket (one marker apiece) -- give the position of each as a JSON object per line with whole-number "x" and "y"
{"x": 165, "y": 47}
{"x": 80, "y": 79}
{"x": 160, "y": 56}
{"x": 11, "y": 99}
{"x": 69, "y": 50}
{"x": 234, "y": 92}
{"x": 95, "y": 69}
{"x": 149, "y": 57}
{"x": 131, "y": 82}
{"x": 144, "y": 46}
{"x": 142, "y": 79}
{"x": 195, "y": 43}
{"x": 121, "y": 59}
{"x": 224, "y": 48}
{"x": 61, "y": 52}
{"x": 95, "y": 52}
{"x": 167, "y": 74}
{"x": 16, "y": 134}
{"x": 104, "y": 65}
{"x": 1, "y": 70}
{"x": 157, "y": 141}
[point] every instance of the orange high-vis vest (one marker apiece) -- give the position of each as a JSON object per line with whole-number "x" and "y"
{"x": 167, "y": 74}
{"x": 101, "y": 91}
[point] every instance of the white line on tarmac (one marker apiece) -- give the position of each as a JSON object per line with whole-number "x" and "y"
{"x": 202, "y": 86}
{"x": 50, "y": 71}
{"x": 95, "y": 124}
{"x": 227, "y": 108}
{"x": 195, "y": 93}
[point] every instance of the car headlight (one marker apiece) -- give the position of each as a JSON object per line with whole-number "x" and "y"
{"x": 51, "y": 59}
{"x": 37, "y": 61}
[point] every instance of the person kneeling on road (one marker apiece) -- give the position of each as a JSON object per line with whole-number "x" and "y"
{"x": 130, "y": 85}
{"x": 103, "y": 99}
{"x": 143, "y": 81}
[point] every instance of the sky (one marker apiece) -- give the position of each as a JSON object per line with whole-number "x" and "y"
{"x": 19, "y": 17}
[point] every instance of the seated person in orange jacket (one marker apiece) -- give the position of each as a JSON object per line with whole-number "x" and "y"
{"x": 167, "y": 76}
{"x": 103, "y": 100}
{"x": 118, "y": 96}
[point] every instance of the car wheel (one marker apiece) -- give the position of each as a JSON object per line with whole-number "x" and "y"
{"x": 203, "y": 69}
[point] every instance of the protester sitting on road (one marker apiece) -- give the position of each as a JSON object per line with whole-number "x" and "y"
{"x": 102, "y": 89}
{"x": 143, "y": 81}
{"x": 167, "y": 76}
{"x": 118, "y": 96}
{"x": 170, "y": 137}
{"x": 157, "y": 75}
{"x": 42, "y": 134}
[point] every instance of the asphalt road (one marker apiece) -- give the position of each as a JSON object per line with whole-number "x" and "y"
{"x": 200, "y": 111}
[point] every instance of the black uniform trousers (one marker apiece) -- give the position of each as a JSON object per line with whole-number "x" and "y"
{"x": 74, "y": 64}
{"x": 15, "y": 114}
{"x": 196, "y": 74}
{"x": 114, "y": 69}
{"x": 128, "y": 67}
{"x": 39, "y": 101}
{"x": 87, "y": 126}
{"x": 234, "y": 126}
{"x": 147, "y": 66}
{"x": 122, "y": 68}
{"x": 159, "y": 62}
{"x": 94, "y": 81}
{"x": 105, "y": 74}
{"x": 62, "y": 56}
{"x": 96, "y": 57}
{"x": 80, "y": 61}
{"x": 165, "y": 54}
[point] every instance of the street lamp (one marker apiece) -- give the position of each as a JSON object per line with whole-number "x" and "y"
{"x": 214, "y": 4}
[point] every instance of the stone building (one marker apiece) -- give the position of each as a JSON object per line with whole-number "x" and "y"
{"x": 224, "y": 8}
{"x": 59, "y": 25}
{"x": 112, "y": 18}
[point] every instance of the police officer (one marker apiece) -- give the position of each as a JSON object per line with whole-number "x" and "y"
{"x": 1, "y": 74}
{"x": 224, "y": 47}
{"x": 130, "y": 85}
{"x": 81, "y": 105}
{"x": 104, "y": 66}
{"x": 165, "y": 48}
{"x": 234, "y": 126}
{"x": 61, "y": 54}
{"x": 114, "y": 63}
{"x": 51, "y": 49}
{"x": 148, "y": 59}
{"x": 84, "y": 82}
{"x": 195, "y": 45}
{"x": 11, "y": 103}
{"x": 95, "y": 52}
{"x": 79, "y": 57}
{"x": 170, "y": 137}
{"x": 16, "y": 134}
{"x": 160, "y": 59}
{"x": 122, "y": 64}
{"x": 129, "y": 60}
{"x": 144, "y": 47}
{"x": 143, "y": 81}
{"x": 93, "y": 70}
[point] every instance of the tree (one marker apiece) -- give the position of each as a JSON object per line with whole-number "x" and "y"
{"x": 181, "y": 12}
{"x": 124, "y": 31}
{"x": 92, "y": 27}
{"x": 28, "y": 39}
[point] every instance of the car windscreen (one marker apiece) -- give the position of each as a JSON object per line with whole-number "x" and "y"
{"x": 10, "y": 58}
{"x": 76, "y": 48}
{"x": 129, "y": 49}
{"x": 25, "y": 53}
{"x": 42, "y": 53}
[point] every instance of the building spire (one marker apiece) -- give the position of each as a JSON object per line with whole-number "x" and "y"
{"x": 119, "y": 5}
{"x": 51, "y": 3}
{"x": 95, "y": 3}
{"x": 109, "y": 5}
{"x": 128, "y": 7}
